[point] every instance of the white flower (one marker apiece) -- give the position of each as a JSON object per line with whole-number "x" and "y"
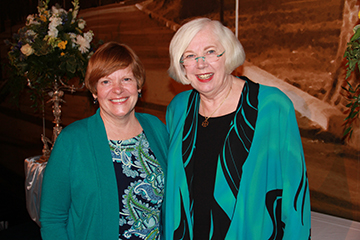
{"x": 27, "y": 50}
{"x": 53, "y": 32}
{"x": 54, "y": 22}
{"x": 31, "y": 20}
{"x": 30, "y": 33}
{"x": 89, "y": 36}
{"x": 72, "y": 36}
{"x": 57, "y": 11}
{"x": 84, "y": 45}
{"x": 81, "y": 23}
{"x": 73, "y": 39}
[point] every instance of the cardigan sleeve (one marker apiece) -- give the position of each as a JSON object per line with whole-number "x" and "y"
{"x": 79, "y": 198}
{"x": 287, "y": 190}
{"x": 273, "y": 200}
{"x": 55, "y": 199}
{"x": 296, "y": 197}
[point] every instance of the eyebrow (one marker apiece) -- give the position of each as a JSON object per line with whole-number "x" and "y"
{"x": 205, "y": 49}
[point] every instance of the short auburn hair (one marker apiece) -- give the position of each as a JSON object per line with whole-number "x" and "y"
{"x": 110, "y": 57}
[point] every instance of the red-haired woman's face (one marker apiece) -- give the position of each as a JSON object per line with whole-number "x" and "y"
{"x": 117, "y": 94}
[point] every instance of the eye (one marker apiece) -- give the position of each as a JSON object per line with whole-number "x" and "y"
{"x": 189, "y": 56}
{"x": 211, "y": 52}
{"x": 127, "y": 79}
{"x": 104, "y": 81}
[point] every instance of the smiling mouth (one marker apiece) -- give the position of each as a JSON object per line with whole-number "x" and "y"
{"x": 205, "y": 76}
{"x": 119, "y": 100}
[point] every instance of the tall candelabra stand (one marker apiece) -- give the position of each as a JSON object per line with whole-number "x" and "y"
{"x": 56, "y": 94}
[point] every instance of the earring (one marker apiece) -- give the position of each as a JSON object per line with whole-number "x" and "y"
{"x": 95, "y": 101}
{"x": 139, "y": 94}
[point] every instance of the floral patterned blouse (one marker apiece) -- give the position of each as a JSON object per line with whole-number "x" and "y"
{"x": 140, "y": 181}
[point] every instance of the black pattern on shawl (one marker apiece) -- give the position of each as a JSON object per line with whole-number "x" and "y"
{"x": 237, "y": 143}
{"x": 189, "y": 137}
{"x": 182, "y": 232}
{"x": 273, "y": 205}
{"x": 303, "y": 185}
{"x": 239, "y": 139}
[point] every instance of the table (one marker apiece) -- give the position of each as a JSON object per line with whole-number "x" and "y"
{"x": 328, "y": 227}
{"x": 34, "y": 171}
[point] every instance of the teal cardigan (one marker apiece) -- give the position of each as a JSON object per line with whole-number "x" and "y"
{"x": 79, "y": 192}
{"x": 275, "y": 164}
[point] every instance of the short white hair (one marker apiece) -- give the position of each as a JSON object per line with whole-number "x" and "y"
{"x": 234, "y": 51}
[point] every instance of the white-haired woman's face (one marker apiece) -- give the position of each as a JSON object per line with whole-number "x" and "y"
{"x": 204, "y": 66}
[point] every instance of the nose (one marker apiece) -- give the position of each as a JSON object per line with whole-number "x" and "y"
{"x": 197, "y": 59}
{"x": 200, "y": 63}
{"x": 118, "y": 87}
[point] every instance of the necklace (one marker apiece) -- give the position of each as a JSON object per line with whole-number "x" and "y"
{"x": 205, "y": 123}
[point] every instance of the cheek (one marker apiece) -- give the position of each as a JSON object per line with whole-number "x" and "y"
{"x": 133, "y": 88}
{"x": 189, "y": 73}
{"x": 102, "y": 92}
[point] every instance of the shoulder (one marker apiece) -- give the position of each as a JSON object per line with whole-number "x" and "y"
{"x": 175, "y": 111}
{"x": 151, "y": 123}
{"x": 149, "y": 118}
{"x": 180, "y": 98}
{"x": 269, "y": 91}
{"x": 77, "y": 129}
{"x": 155, "y": 131}
{"x": 179, "y": 102}
{"x": 272, "y": 96}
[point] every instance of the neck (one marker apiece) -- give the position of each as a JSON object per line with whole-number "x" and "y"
{"x": 121, "y": 128}
{"x": 213, "y": 106}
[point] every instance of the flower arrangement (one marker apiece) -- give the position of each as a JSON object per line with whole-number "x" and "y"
{"x": 352, "y": 55}
{"x": 51, "y": 45}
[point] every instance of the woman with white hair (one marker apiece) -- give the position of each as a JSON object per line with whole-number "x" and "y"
{"x": 236, "y": 168}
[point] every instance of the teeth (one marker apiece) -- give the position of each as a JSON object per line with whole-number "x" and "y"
{"x": 205, "y": 76}
{"x": 119, "y": 100}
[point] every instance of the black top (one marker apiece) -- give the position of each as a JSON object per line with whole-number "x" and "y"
{"x": 222, "y": 146}
{"x": 208, "y": 147}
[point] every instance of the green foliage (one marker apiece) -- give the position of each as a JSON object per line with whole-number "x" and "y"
{"x": 352, "y": 55}
{"x": 52, "y": 44}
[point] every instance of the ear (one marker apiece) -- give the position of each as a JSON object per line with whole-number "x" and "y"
{"x": 94, "y": 95}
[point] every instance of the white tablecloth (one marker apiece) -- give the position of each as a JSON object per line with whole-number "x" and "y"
{"x": 33, "y": 180}
{"x": 326, "y": 227}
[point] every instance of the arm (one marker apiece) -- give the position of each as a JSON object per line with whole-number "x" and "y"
{"x": 296, "y": 197}
{"x": 56, "y": 199}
